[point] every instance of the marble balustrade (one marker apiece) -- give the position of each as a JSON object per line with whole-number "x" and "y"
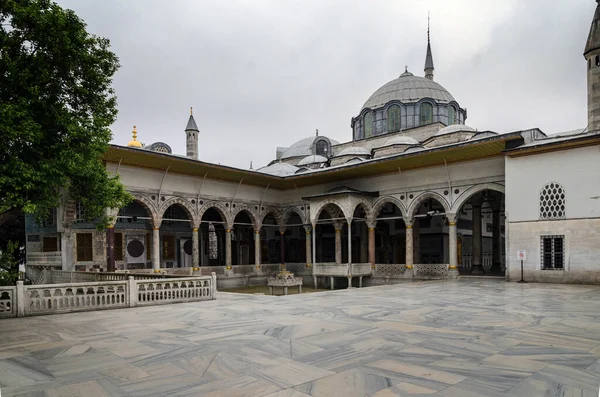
{"x": 29, "y": 300}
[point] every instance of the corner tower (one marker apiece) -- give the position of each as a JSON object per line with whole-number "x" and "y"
{"x": 191, "y": 137}
{"x": 592, "y": 56}
{"x": 429, "y": 58}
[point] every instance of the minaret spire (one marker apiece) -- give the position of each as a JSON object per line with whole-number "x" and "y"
{"x": 592, "y": 56}
{"x": 429, "y": 68}
{"x": 191, "y": 137}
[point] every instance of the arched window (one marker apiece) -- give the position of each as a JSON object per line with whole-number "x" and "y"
{"x": 451, "y": 115}
{"x": 358, "y": 133}
{"x": 597, "y": 60}
{"x": 369, "y": 125}
{"x": 322, "y": 148}
{"x": 426, "y": 113}
{"x": 393, "y": 118}
{"x": 552, "y": 202}
{"x": 589, "y": 63}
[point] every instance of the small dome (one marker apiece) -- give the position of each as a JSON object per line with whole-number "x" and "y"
{"x": 355, "y": 160}
{"x": 455, "y": 128}
{"x": 278, "y": 169}
{"x": 312, "y": 159}
{"x": 408, "y": 89}
{"x": 304, "y": 147}
{"x": 401, "y": 140}
{"x": 354, "y": 151}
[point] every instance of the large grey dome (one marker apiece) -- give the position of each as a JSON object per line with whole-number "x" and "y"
{"x": 408, "y": 88}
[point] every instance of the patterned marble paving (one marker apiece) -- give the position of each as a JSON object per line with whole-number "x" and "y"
{"x": 462, "y": 338}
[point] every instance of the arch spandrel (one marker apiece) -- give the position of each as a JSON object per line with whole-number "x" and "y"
{"x": 149, "y": 206}
{"x": 245, "y": 208}
{"x": 388, "y": 200}
{"x": 290, "y": 211}
{"x": 220, "y": 208}
{"x": 343, "y": 206}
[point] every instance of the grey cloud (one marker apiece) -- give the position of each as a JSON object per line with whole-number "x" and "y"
{"x": 262, "y": 74}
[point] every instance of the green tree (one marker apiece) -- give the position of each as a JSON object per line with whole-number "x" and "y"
{"x": 9, "y": 264}
{"x": 56, "y": 107}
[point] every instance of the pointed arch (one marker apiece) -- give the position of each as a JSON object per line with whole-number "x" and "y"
{"x": 424, "y": 196}
{"x": 220, "y": 208}
{"x": 332, "y": 204}
{"x": 244, "y": 208}
{"x": 292, "y": 210}
{"x": 187, "y": 207}
{"x": 473, "y": 190}
{"x": 387, "y": 200}
{"x": 365, "y": 205}
{"x": 149, "y": 206}
{"x": 273, "y": 211}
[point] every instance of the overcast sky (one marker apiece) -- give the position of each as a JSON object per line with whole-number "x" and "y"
{"x": 266, "y": 73}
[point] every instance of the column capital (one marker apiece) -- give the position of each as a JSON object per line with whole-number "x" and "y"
{"x": 194, "y": 229}
{"x": 337, "y": 225}
{"x": 452, "y": 218}
{"x": 408, "y": 221}
{"x": 371, "y": 224}
{"x": 308, "y": 229}
{"x": 156, "y": 228}
{"x": 227, "y": 230}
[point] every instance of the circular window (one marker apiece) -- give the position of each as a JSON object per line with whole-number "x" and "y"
{"x": 187, "y": 247}
{"x": 135, "y": 248}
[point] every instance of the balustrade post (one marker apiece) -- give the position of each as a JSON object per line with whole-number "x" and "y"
{"x": 214, "y": 286}
{"x": 132, "y": 291}
{"x": 20, "y": 299}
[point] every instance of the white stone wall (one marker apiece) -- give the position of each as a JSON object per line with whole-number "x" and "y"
{"x": 582, "y": 252}
{"x": 577, "y": 170}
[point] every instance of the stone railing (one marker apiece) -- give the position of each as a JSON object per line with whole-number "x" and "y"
{"x": 361, "y": 269}
{"x": 467, "y": 261}
{"x": 39, "y": 274}
{"x": 389, "y": 270}
{"x": 63, "y": 277}
{"x": 270, "y": 268}
{"x": 156, "y": 292}
{"x": 298, "y": 268}
{"x": 44, "y": 257}
{"x": 430, "y": 270}
{"x": 7, "y": 301}
{"x": 331, "y": 269}
{"x": 29, "y": 300}
{"x": 244, "y": 270}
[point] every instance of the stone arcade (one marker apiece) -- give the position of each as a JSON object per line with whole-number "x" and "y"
{"x": 415, "y": 193}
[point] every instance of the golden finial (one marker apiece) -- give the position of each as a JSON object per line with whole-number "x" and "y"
{"x": 134, "y": 142}
{"x": 191, "y": 111}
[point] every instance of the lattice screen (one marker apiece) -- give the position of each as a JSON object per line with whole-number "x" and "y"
{"x": 552, "y": 202}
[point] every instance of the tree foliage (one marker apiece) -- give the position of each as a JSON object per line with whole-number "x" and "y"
{"x": 56, "y": 108}
{"x": 9, "y": 264}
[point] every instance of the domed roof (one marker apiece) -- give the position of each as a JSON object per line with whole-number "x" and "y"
{"x": 303, "y": 147}
{"x": 408, "y": 88}
{"x": 312, "y": 159}
{"x": 455, "y": 128}
{"x": 414, "y": 149}
{"x": 278, "y": 169}
{"x": 354, "y": 151}
{"x": 401, "y": 140}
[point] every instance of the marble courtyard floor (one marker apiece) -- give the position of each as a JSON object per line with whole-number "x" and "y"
{"x": 461, "y": 338}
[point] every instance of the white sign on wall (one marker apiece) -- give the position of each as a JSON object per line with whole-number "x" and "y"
{"x": 521, "y": 255}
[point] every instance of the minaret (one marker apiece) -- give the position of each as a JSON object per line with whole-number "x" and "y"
{"x": 191, "y": 137}
{"x": 592, "y": 56}
{"x": 429, "y": 58}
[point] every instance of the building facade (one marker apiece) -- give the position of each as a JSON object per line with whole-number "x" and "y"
{"x": 415, "y": 192}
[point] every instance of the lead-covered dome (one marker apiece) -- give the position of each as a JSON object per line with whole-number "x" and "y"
{"x": 312, "y": 145}
{"x": 408, "y": 88}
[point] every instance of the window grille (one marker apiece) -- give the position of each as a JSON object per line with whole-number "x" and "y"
{"x": 50, "y": 219}
{"x": 80, "y": 213}
{"x": 118, "y": 246}
{"x": 553, "y": 252}
{"x": 84, "y": 247}
{"x": 394, "y": 118}
{"x": 51, "y": 244}
{"x": 426, "y": 113}
{"x": 552, "y": 202}
{"x": 369, "y": 125}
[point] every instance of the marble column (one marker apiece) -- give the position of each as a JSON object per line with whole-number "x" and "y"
{"x": 282, "y": 246}
{"x": 496, "y": 242}
{"x": 350, "y": 250}
{"x": 409, "y": 273}
{"x": 201, "y": 237}
{"x": 372, "y": 244}
{"x": 452, "y": 245}
{"x": 110, "y": 248}
{"x": 307, "y": 229}
{"x": 477, "y": 252}
{"x": 156, "y": 249}
{"x": 195, "y": 249}
{"x": 257, "y": 258}
{"x": 364, "y": 243}
{"x": 338, "y": 242}
{"x": 416, "y": 229}
{"x": 228, "y": 248}
{"x": 314, "y": 244}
